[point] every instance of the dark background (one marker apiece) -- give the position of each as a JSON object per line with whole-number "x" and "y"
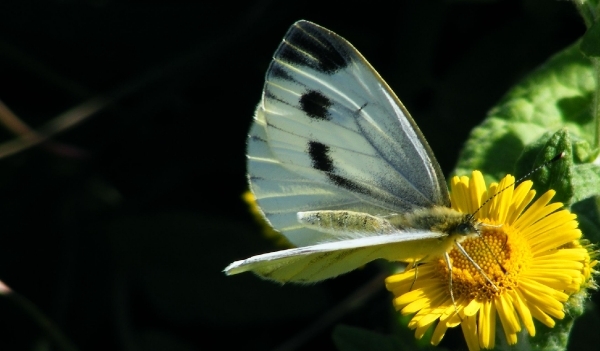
{"x": 120, "y": 232}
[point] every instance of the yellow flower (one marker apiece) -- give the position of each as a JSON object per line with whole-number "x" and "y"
{"x": 531, "y": 253}
{"x": 266, "y": 228}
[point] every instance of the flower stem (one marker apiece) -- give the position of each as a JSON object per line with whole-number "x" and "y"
{"x": 49, "y": 328}
{"x": 587, "y": 11}
{"x": 596, "y": 100}
{"x": 590, "y": 12}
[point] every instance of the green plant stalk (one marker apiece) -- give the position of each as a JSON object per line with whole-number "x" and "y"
{"x": 590, "y": 16}
{"x": 587, "y": 11}
{"x": 48, "y": 327}
{"x": 596, "y": 101}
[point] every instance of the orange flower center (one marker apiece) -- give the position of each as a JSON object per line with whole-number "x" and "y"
{"x": 501, "y": 252}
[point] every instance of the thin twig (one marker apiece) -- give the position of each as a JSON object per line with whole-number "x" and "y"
{"x": 355, "y": 299}
{"x": 49, "y": 328}
{"x": 29, "y": 137}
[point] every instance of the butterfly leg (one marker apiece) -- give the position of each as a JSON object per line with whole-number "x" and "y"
{"x": 449, "y": 264}
{"x": 415, "y": 266}
{"x": 487, "y": 247}
{"x": 462, "y": 250}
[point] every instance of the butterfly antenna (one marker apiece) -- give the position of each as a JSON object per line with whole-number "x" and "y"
{"x": 472, "y": 216}
{"x": 555, "y": 158}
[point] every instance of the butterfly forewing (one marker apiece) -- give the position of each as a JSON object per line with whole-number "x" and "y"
{"x": 330, "y": 134}
{"x": 314, "y": 263}
{"x": 282, "y": 193}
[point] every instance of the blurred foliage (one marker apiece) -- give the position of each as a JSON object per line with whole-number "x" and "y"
{"x": 119, "y": 229}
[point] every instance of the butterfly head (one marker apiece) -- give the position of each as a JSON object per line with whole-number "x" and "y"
{"x": 469, "y": 225}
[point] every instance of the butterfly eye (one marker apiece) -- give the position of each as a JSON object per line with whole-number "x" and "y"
{"x": 465, "y": 228}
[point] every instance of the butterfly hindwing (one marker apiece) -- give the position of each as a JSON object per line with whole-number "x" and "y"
{"x": 330, "y": 134}
{"x": 317, "y": 262}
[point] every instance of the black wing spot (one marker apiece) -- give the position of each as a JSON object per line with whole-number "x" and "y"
{"x": 348, "y": 184}
{"x": 277, "y": 71}
{"x": 318, "y": 153}
{"x": 309, "y": 45}
{"x": 315, "y": 104}
{"x": 322, "y": 161}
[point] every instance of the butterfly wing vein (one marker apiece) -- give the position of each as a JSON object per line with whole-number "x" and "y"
{"x": 329, "y": 134}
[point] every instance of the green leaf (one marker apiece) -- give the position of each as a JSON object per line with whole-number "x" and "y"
{"x": 586, "y": 179}
{"x": 588, "y": 216}
{"x": 548, "y": 113}
{"x": 590, "y": 43}
{"x": 557, "y": 95}
{"x": 347, "y": 338}
{"x": 588, "y": 9}
{"x": 583, "y": 151}
{"x": 557, "y": 338}
{"x": 557, "y": 174}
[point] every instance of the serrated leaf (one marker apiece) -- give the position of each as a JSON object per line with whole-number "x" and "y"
{"x": 590, "y": 41}
{"x": 583, "y": 152}
{"x": 557, "y": 337}
{"x": 586, "y": 180}
{"x": 556, "y": 175}
{"x": 588, "y": 216}
{"x": 557, "y": 95}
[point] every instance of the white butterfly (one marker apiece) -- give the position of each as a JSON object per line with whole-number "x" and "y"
{"x": 340, "y": 168}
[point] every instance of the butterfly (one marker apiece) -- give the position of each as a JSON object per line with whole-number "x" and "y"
{"x": 339, "y": 167}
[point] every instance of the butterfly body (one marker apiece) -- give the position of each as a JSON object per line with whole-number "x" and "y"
{"x": 339, "y": 167}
